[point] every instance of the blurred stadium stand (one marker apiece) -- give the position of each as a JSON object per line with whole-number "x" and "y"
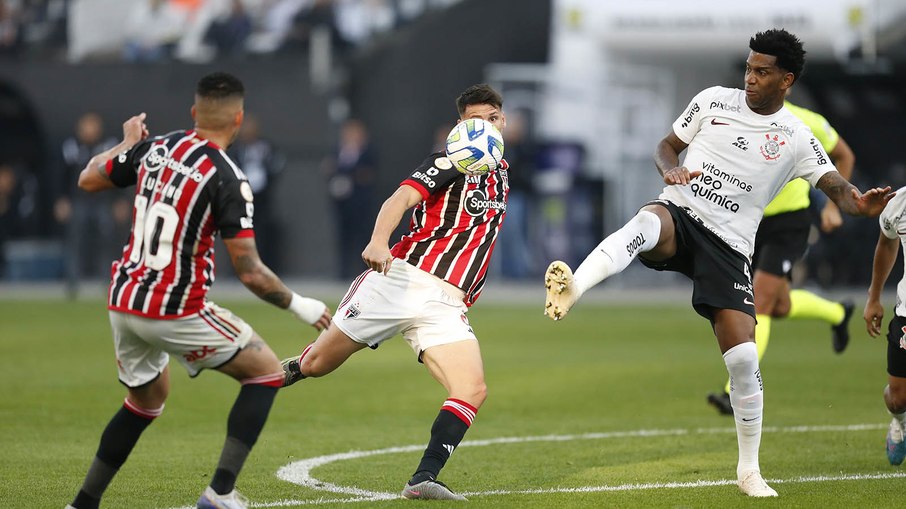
{"x": 598, "y": 82}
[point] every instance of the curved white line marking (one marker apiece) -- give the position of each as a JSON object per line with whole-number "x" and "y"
{"x": 299, "y": 472}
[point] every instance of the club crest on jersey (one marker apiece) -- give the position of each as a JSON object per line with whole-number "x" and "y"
{"x": 771, "y": 148}
{"x": 477, "y": 203}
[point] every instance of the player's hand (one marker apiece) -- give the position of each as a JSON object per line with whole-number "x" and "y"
{"x": 310, "y": 311}
{"x": 874, "y": 315}
{"x": 135, "y": 130}
{"x": 377, "y": 257}
{"x": 680, "y": 176}
{"x": 873, "y": 201}
{"x": 831, "y": 219}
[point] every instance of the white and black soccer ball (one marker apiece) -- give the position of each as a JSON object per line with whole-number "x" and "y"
{"x": 475, "y": 146}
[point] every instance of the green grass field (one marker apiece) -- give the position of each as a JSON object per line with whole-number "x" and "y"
{"x": 575, "y": 397}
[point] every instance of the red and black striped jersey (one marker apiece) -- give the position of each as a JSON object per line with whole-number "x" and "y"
{"x": 186, "y": 190}
{"x": 453, "y": 230}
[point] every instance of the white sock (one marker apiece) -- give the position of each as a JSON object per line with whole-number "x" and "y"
{"x": 746, "y": 396}
{"x": 900, "y": 417}
{"x": 616, "y": 252}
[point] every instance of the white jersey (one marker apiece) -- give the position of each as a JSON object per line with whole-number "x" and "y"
{"x": 745, "y": 159}
{"x": 893, "y": 225}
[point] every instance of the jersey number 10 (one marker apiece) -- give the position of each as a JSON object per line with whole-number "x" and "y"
{"x": 153, "y": 233}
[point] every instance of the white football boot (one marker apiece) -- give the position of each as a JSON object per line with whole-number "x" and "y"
{"x": 752, "y": 484}
{"x": 561, "y": 295}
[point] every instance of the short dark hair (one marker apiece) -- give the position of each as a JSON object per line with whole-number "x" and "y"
{"x": 220, "y": 85}
{"x": 779, "y": 43}
{"x": 478, "y": 94}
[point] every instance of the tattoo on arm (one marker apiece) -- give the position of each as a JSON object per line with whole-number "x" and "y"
{"x": 837, "y": 189}
{"x": 279, "y": 299}
{"x": 243, "y": 264}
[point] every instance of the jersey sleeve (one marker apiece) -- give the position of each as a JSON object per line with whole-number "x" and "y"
{"x": 689, "y": 122}
{"x": 892, "y": 214}
{"x": 812, "y": 162}
{"x": 434, "y": 174}
{"x": 233, "y": 204}
{"x": 123, "y": 167}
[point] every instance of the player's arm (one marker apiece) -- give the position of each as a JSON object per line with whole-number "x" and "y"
{"x": 844, "y": 159}
{"x": 261, "y": 280}
{"x": 377, "y": 253}
{"x": 666, "y": 158}
{"x": 850, "y": 200}
{"x": 94, "y": 176}
{"x": 885, "y": 256}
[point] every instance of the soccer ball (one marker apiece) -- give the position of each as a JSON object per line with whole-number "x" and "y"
{"x": 475, "y": 146}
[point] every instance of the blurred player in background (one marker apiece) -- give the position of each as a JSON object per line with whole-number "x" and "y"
{"x": 893, "y": 233}
{"x": 782, "y": 240}
{"x": 704, "y": 222}
{"x": 187, "y": 190}
{"x": 422, "y": 288}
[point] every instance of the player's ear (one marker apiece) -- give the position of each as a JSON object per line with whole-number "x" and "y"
{"x": 240, "y": 116}
{"x": 193, "y": 112}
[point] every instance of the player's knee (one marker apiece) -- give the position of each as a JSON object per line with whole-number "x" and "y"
{"x": 313, "y": 365}
{"x": 477, "y": 393}
{"x": 896, "y": 396}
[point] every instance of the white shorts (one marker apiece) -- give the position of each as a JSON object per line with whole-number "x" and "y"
{"x": 207, "y": 339}
{"x": 425, "y": 309}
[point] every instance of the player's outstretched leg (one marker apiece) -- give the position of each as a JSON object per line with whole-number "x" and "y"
{"x": 561, "y": 294}
{"x": 612, "y": 256}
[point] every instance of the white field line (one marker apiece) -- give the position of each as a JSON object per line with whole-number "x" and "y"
{"x": 299, "y": 472}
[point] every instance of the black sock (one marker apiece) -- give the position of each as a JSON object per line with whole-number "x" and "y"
{"x": 117, "y": 441}
{"x": 246, "y": 420}
{"x": 446, "y": 433}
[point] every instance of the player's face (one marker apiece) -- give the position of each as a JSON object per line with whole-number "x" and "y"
{"x": 765, "y": 83}
{"x": 485, "y": 112}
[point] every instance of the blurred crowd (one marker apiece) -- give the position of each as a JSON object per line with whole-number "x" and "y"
{"x": 194, "y": 30}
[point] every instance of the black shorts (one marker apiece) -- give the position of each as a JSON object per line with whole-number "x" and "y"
{"x": 896, "y": 347}
{"x": 781, "y": 241}
{"x": 721, "y": 277}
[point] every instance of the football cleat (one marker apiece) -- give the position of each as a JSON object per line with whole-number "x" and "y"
{"x": 211, "y": 500}
{"x": 430, "y": 490}
{"x": 558, "y": 280}
{"x": 752, "y": 484}
{"x": 721, "y": 401}
{"x": 292, "y": 373}
{"x": 896, "y": 444}
{"x": 841, "y": 330}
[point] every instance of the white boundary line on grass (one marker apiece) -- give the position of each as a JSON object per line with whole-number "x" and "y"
{"x": 299, "y": 472}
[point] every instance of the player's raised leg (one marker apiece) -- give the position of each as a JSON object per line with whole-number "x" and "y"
{"x": 645, "y": 232}
{"x": 459, "y": 368}
{"x": 321, "y": 357}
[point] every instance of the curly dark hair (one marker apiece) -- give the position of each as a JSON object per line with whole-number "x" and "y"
{"x": 478, "y": 94}
{"x": 779, "y": 43}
